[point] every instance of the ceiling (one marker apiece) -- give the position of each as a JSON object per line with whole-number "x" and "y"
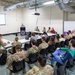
{"x": 63, "y": 4}
{"x": 11, "y": 2}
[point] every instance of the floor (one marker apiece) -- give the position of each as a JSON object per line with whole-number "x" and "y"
{"x": 5, "y": 71}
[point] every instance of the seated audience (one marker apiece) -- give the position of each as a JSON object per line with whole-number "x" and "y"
{"x": 44, "y": 29}
{"x": 16, "y": 42}
{"x": 45, "y": 35}
{"x": 57, "y": 39}
{"x": 51, "y": 41}
{"x": 48, "y": 31}
{"x": 36, "y": 29}
{"x": 44, "y": 69}
{"x": 60, "y": 56}
{"x": 70, "y": 34}
{"x": 52, "y": 30}
{"x": 67, "y": 36}
{"x": 2, "y": 44}
{"x": 43, "y": 45}
{"x": 17, "y": 56}
{"x": 73, "y": 34}
{"x": 33, "y": 36}
{"x": 33, "y": 49}
{"x": 62, "y": 38}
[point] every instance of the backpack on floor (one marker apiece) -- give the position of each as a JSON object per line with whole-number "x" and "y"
{"x": 3, "y": 59}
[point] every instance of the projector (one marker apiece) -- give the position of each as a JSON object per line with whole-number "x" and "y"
{"x": 37, "y": 14}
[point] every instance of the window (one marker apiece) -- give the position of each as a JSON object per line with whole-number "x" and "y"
{"x": 2, "y": 19}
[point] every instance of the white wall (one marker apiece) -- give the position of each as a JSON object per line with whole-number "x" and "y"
{"x": 13, "y": 21}
{"x": 49, "y": 17}
{"x": 71, "y": 17}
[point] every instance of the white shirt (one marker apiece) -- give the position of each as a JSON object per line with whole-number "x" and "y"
{"x": 62, "y": 39}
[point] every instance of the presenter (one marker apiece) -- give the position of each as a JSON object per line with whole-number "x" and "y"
{"x": 22, "y": 29}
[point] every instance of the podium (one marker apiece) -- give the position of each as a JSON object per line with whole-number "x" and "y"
{"x": 22, "y": 30}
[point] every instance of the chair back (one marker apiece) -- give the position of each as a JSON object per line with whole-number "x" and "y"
{"x": 3, "y": 58}
{"x": 18, "y": 66}
{"x": 66, "y": 42}
{"x": 33, "y": 57}
{"x": 43, "y": 52}
{"x": 62, "y": 44}
{"x": 51, "y": 48}
{"x": 57, "y": 45}
{"x": 38, "y": 42}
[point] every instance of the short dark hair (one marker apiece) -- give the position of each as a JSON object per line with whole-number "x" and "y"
{"x": 52, "y": 39}
{"x": 68, "y": 33}
{"x": 16, "y": 38}
{"x": 73, "y": 42}
{"x": 43, "y": 37}
{"x": 62, "y": 35}
{"x": 33, "y": 42}
{"x": 33, "y": 34}
{"x": 42, "y": 60}
{"x": 18, "y": 47}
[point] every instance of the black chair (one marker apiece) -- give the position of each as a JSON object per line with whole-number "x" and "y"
{"x": 3, "y": 58}
{"x": 47, "y": 39}
{"x": 32, "y": 58}
{"x": 67, "y": 42}
{"x": 43, "y": 52}
{"x": 61, "y": 70}
{"x": 18, "y": 66}
{"x": 38, "y": 42}
{"x": 62, "y": 43}
{"x": 57, "y": 45}
{"x": 73, "y": 37}
{"x": 51, "y": 48}
{"x": 27, "y": 46}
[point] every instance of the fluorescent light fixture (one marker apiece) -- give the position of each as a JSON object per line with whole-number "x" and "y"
{"x": 49, "y": 2}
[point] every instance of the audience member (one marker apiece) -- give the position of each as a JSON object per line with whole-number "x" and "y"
{"x": 16, "y": 42}
{"x": 2, "y": 44}
{"x": 62, "y": 38}
{"x": 60, "y": 56}
{"x": 51, "y": 41}
{"x": 43, "y": 45}
{"x": 70, "y": 34}
{"x": 73, "y": 34}
{"x": 67, "y": 36}
{"x": 45, "y": 35}
{"x": 17, "y": 56}
{"x": 33, "y": 36}
{"x": 57, "y": 39}
{"x": 33, "y": 49}
{"x": 44, "y": 69}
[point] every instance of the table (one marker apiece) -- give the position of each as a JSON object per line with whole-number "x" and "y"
{"x": 23, "y": 41}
